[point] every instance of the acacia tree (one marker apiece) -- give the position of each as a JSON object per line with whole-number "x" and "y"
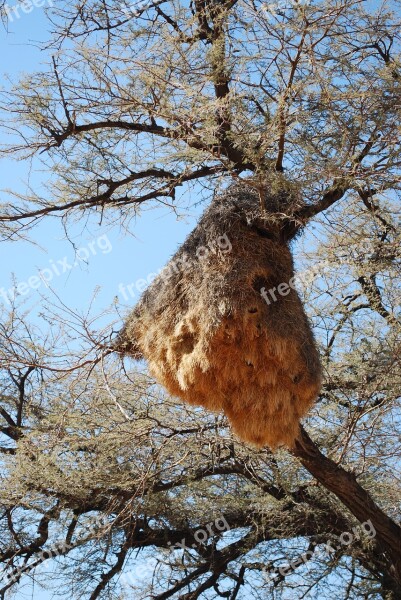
{"x": 139, "y": 102}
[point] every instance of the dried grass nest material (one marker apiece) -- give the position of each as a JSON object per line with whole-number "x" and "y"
{"x": 211, "y": 339}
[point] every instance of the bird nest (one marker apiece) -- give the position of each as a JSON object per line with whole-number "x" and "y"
{"x": 223, "y": 327}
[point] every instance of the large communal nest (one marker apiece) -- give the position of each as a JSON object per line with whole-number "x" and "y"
{"x": 212, "y": 339}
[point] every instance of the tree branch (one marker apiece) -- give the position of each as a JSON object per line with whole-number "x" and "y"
{"x": 107, "y": 197}
{"x": 345, "y": 486}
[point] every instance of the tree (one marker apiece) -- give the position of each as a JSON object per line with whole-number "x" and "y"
{"x": 137, "y": 102}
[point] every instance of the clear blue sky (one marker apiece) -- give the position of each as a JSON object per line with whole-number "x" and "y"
{"x": 155, "y": 235}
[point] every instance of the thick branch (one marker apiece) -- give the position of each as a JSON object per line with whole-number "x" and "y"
{"x": 372, "y": 293}
{"x": 345, "y": 486}
{"x": 107, "y": 197}
{"x": 301, "y": 217}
